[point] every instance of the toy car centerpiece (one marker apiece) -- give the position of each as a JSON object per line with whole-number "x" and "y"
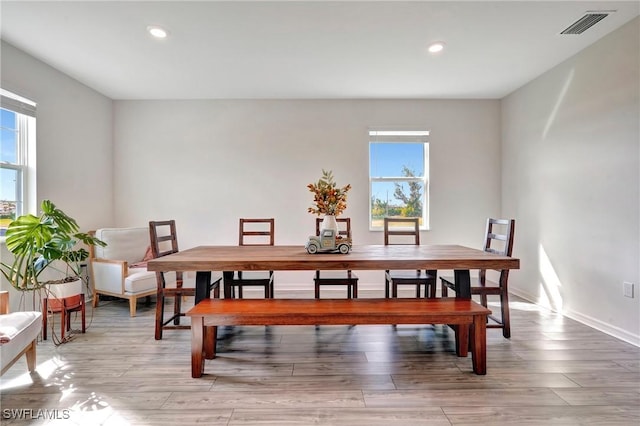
{"x": 329, "y": 242}
{"x": 330, "y": 200}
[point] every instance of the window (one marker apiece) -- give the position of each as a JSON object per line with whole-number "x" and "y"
{"x": 398, "y": 176}
{"x": 17, "y": 142}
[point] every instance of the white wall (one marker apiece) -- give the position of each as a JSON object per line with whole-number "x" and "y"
{"x": 571, "y": 178}
{"x": 74, "y": 139}
{"x": 207, "y": 163}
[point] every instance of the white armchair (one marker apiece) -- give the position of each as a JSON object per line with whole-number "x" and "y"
{"x": 119, "y": 268}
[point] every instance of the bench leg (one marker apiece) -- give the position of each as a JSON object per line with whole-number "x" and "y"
{"x": 197, "y": 340}
{"x": 210, "y": 337}
{"x": 462, "y": 339}
{"x": 479, "y": 344}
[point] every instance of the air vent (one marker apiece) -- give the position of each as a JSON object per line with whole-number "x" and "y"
{"x": 584, "y": 23}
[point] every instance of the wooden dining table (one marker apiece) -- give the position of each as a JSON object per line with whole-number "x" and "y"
{"x": 205, "y": 260}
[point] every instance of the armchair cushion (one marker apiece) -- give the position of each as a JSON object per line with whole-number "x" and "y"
{"x": 139, "y": 280}
{"x": 128, "y": 244}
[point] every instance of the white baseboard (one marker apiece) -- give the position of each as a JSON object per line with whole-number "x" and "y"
{"x": 612, "y": 330}
{"x": 609, "y": 329}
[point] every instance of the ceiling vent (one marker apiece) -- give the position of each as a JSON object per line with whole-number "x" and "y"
{"x": 584, "y": 23}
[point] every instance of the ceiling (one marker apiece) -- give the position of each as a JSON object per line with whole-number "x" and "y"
{"x": 304, "y": 49}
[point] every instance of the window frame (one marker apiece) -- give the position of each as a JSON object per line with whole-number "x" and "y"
{"x": 24, "y": 165}
{"x": 401, "y": 135}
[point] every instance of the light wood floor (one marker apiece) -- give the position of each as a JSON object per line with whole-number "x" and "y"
{"x": 552, "y": 371}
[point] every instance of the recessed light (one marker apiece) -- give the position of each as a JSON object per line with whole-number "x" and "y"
{"x": 156, "y": 31}
{"x": 436, "y": 47}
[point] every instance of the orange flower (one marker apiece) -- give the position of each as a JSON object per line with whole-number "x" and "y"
{"x": 328, "y": 198}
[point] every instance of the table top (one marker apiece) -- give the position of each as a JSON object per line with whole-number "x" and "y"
{"x": 361, "y": 257}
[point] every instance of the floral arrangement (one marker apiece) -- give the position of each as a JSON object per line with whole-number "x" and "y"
{"x": 328, "y": 198}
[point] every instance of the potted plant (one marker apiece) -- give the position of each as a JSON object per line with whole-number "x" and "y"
{"x": 50, "y": 241}
{"x": 329, "y": 199}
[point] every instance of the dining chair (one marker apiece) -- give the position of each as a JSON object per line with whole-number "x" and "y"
{"x": 164, "y": 241}
{"x": 254, "y": 232}
{"x": 498, "y": 239}
{"x": 337, "y": 278}
{"x": 404, "y": 231}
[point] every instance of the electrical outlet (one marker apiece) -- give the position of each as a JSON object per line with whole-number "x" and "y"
{"x": 627, "y": 289}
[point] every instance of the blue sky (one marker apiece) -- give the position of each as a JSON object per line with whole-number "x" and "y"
{"x": 7, "y": 154}
{"x": 387, "y": 160}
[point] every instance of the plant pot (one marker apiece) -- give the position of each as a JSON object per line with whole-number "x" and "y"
{"x": 63, "y": 298}
{"x": 66, "y": 290}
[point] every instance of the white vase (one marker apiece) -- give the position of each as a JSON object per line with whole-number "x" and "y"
{"x": 329, "y": 222}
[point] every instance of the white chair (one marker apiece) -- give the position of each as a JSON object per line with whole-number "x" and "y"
{"x": 119, "y": 269}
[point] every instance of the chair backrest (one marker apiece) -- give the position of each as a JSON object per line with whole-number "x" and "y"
{"x": 128, "y": 244}
{"x": 344, "y": 226}
{"x": 498, "y": 239}
{"x": 163, "y": 237}
{"x": 396, "y": 227}
{"x": 499, "y": 232}
{"x": 256, "y": 232}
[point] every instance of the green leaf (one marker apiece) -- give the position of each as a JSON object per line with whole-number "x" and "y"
{"x": 37, "y": 242}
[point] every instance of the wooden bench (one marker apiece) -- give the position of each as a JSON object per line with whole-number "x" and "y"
{"x": 466, "y": 316}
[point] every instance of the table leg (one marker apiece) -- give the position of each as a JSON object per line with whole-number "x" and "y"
{"x": 462, "y": 283}
{"x": 203, "y": 279}
{"x": 197, "y": 343}
{"x": 227, "y": 277}
{"x": 479, "y": 344}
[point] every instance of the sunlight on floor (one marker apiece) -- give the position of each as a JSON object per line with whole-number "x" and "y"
{"x": 82, "y": 409}
{"x": 43, "y": 370}
{"x": 550, "y": 295}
